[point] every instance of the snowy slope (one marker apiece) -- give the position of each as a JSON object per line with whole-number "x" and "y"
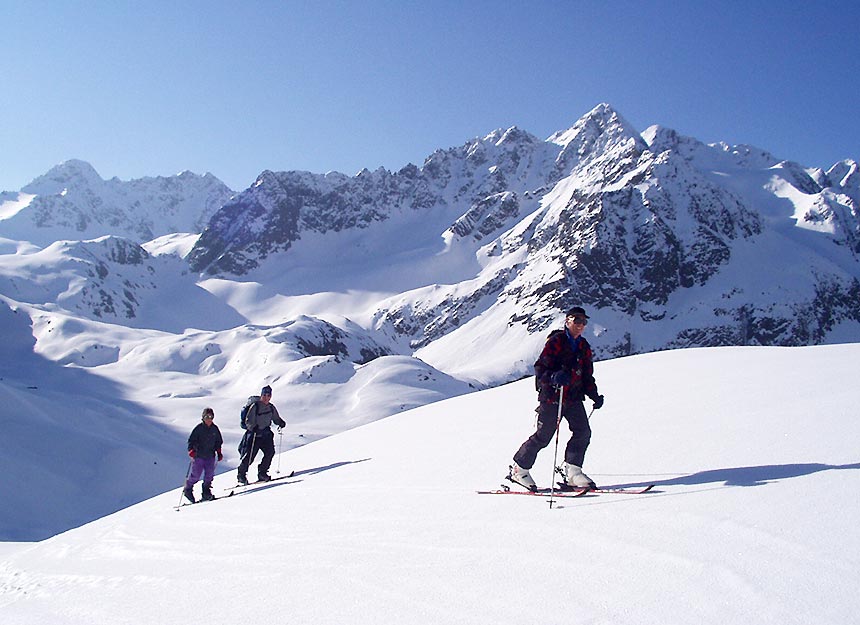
{"x": 95, "y": 416}
{"x": 752, "y": 450}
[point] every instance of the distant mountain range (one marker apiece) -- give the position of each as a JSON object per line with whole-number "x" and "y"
{"x": 668, "y": 242}
{"x": 71, "y": 201}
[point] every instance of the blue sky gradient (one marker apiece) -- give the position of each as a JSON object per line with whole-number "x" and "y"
{"x": 234, "y": 88}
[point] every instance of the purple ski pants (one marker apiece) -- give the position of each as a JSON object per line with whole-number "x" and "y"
{"x": 204, "y": 467}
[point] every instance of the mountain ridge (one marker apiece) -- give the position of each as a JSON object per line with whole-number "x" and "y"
{"x": 72, "y": 201}
{"x": 598, "y": 214}
{"x": 658, "y": 233}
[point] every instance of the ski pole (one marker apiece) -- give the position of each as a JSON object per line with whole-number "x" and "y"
{"x": 184, "y": 482}
{"x": 280, "y": 442}
{"x": 246, "y": 457}
{"x": 555, "y": 453}
{"x": 251, "y": 451}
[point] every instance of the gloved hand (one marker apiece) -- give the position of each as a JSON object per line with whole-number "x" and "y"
{"x": 598, "y": 401}
{"x": 191, "y": 453}
{"x": 220, "y": 455}
{"x": 560, "y": 378}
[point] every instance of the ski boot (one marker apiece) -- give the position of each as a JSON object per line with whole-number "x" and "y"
{"x": 243, "y": 479}
{"x": 189, "y": 494}
{"x": 264, "y": 477}
{"x": 207, "y": 492}
{"x": 575, "y": 478}
{"x": 522, "y": 477}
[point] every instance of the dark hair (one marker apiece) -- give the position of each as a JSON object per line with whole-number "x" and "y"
{"x": 576, "y": 311}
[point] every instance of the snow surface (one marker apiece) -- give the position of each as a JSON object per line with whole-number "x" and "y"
{"x": 753, "y": 518}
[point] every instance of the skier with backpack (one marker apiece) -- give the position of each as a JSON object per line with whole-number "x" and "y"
{"x": 257, "y": 417}
{"x": 204, "y": 446}
{"x": 564, "y": 370}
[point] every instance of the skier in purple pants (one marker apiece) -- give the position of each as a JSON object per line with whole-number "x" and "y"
{"x": 204, "y": 446}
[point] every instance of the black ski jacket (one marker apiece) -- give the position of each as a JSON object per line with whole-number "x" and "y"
{"x": 205, "y": 440}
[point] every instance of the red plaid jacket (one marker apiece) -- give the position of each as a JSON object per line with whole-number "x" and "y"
{"x": 558, "y": 355}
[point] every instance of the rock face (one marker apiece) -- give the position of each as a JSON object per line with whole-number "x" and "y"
{"x": 674, "y": 242}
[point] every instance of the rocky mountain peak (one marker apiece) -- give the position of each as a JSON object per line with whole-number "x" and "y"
{"x": 654, "y": 230}
{"x": 845, "y": 175}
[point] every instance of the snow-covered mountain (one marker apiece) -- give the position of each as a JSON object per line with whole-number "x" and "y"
{"x": 112, "y": 279}
{"x": 670, "y": 242}
{"x": 73, "y": 202}
{"x": 357, "y": 297}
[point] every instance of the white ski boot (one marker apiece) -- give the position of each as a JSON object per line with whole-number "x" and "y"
{"x": 522, "y": 477}
{"x": 573, "y": 476}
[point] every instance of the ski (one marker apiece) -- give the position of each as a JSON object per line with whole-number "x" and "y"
{"x": 609, "y": 490}
{"x": 192, "y": 503}
{"x": 566, "y": 491}
{"x": 233, "y": 490}
{"x": 274, "y": 479}
{"x": 237, "y": 489}
{"x": 507, "y": 490}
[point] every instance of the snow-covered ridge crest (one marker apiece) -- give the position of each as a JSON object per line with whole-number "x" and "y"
{"x": 71, "y": 201}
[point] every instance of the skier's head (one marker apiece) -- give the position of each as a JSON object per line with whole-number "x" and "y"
{"x": 208, "y": 415}
{"x": 576, "y": 311}
{"x": 266, "y": 392}
{"x": 575, "y": 321}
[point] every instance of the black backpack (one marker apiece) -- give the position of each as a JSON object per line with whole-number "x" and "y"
{"x": 253, "y": 399}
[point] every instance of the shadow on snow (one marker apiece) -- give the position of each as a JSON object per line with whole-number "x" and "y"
{"x": 749, "y": 476}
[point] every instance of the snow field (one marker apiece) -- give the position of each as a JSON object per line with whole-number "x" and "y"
{"x": 749, "y": 521}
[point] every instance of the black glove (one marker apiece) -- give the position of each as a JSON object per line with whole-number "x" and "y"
{"x": 560, "y": 378}
{"x": 281, "y": 423}
{"x": 598, "y": 401}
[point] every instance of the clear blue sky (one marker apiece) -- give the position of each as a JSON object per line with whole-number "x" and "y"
{"x": 153, "y": 88}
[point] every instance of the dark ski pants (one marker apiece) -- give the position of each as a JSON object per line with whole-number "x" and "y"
{"x": 577, "y": 420}
{"x": 265, "y": 442}
{"x": 204, "y": 467}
